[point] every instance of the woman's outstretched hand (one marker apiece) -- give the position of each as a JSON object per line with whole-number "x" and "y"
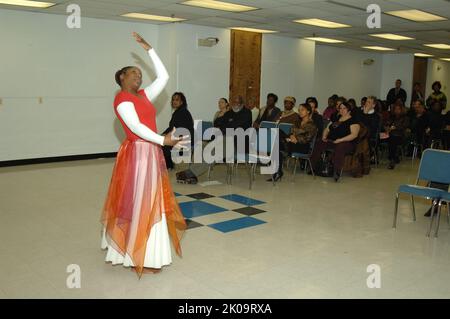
{"x": 141, "y": 41}
{"x": 177, "y": 142}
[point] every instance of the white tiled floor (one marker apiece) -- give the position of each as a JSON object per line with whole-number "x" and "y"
{"x": 319, "y": 238}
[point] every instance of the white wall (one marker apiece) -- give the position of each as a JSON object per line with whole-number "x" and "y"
{"x": 341, "y": 71}
{"x": 438, "y": 70}
{"x": 73, "y": 70}
{"x": 201, "y": 73}
{"x": 287, "y": 68}
{"x": 397, "y": 66}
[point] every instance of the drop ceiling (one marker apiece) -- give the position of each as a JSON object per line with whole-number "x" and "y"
{"x": 278, "y": 15}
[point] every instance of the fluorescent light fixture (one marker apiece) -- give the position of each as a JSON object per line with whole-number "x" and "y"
{"x": 445, "y": 59}
{"x": 377, "y": 48}
{"x": 391, "y": 36}
{"x": 423, "y": 55}
{"x": 326, "y": 40}
{"x": 151, "y": 17}
{"x": 27, "y": 3}
{"x": 438, "y": 46}
{"x": 322, "y": 23}
{"x": 416, "y": 15}
{"x": 255, "y": 30}
{"x": 218, "y": 5}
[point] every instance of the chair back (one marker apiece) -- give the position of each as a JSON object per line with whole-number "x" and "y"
{"x": 286, "y": 128}
{"x": 206, "y": 125}
{"x": 267, "y": 124}
{"x": 435, "y": 166}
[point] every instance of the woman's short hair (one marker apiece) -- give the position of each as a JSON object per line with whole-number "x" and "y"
{"x": 312, "y": 99}
{"x": 436, "y": 83}
{"x": 119, "y": 73}
{"x": 274, "y": 96}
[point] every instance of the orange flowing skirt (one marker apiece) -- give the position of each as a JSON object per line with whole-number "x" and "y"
{"x": 139, "y": 194}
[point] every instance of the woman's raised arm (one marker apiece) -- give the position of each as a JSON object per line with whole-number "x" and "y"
{"x": 162, "y": 77}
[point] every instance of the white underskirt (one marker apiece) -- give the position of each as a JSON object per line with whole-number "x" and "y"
{"x": 157, "y": 253}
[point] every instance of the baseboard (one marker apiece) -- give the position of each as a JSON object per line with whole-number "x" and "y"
{"x": 55, "y": 159}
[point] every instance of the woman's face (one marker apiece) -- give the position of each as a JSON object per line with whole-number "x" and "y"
{"x": 436, "y": 88}
{"x": 303, "y": 112}
{"x": 343, "y": 110}
{"x": 132, "y": 78}
{"x": 222, "y": 105}
{"x": 288, "y": 105}
{"x": 176, "y": 101}
{"x": 397, "y": 110}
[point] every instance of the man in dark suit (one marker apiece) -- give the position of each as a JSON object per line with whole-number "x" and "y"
{"x": 395, "y": 93}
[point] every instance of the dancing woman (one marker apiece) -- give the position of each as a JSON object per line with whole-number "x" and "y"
{"x": 140, "y": 212}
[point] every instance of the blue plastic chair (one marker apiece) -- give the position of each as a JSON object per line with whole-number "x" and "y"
{"x": 267, "y": 124}
{"x": 262, "y": 151}
{"x": 434, "y": 167}
{"x": 306, "y": 157}
{"x": 286, "y": 128}
{"x": 206, "y": 125}
{"x": 445, "y": 198}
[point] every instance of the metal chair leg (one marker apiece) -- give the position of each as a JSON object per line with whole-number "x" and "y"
{"x": 312, "y": 169}
{"x": 438, "y": 218}
{"x": 250, "y": 172}
{"x": 433, "y": 208}
{"x": 448, "y": 213}
{"x": 413, "y": 208}
{"x": 394, "y": 224}
{"x": 295, "y": 169}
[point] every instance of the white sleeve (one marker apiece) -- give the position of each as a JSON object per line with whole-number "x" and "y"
{"x": 129, "y": 116}
{"x": 162, "y": 77}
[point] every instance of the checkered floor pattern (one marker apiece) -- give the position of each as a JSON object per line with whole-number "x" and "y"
{"x": 225, "y": 213}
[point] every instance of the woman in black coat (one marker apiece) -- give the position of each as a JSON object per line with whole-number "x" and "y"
{"x": 181, "y": 117}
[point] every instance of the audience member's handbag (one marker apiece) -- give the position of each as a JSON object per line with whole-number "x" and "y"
{"x": 186, "y": 177}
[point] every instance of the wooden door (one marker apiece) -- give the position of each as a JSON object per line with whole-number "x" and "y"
{"x": 420, "y": 73}
{"x": 245, "y": 66}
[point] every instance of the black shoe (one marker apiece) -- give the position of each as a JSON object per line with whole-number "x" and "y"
{"x": 336, "y": 176}
{"x": 276, "y": 177}
{"x": 428, "y": 213}
{"x": 391, "y": 165}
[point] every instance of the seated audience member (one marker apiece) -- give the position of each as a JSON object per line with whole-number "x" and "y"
{"x": 331, "y": 108}
{"x": 419, "y": 123}
{"x": 336, "y": 115}
{"x": 370, "y": 118}
{"x": 270, "y": 112}
{"x": 289, "y": 115}
{"x": 396, "y": 127}
{"x": 237, "y": 117}
{"x": 356, "y": 112}
{"x": 383, "y": 111}
{"x": 363, "y": 103}
{"x": 300, "y": 139}
{"x": 181, "y": 117}
{"x": 316, "y": 117}
{"x": 223, "y": 108}
{"x": 438, "y": 96}
{"x": 338, "y": 136}
{"x": 436, "y": 122}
